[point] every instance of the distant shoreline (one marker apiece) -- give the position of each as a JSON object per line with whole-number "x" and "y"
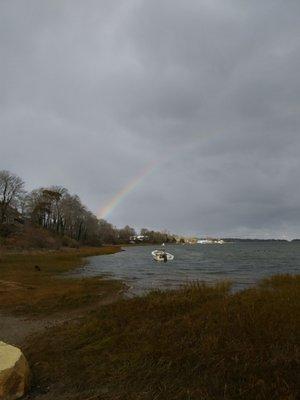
{"x": 227, "y": 240}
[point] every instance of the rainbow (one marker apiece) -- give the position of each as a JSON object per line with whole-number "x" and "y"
{"x": 147, "y": 170}
{"x": 117, "y": 198}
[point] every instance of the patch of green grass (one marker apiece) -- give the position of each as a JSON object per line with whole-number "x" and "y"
{"x": 200, "y": 343}
{"x": 24, "y": 290}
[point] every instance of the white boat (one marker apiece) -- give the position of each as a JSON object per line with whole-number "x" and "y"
{"x": 161, "y": 255}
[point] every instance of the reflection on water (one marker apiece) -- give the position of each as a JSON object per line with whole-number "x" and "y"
{"x": 241, "y": 263}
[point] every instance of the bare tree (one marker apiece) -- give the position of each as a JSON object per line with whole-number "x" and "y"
{"x": 126, "y": 233}
{"x": 11, "y": 191}
{"x": 44, "y": 207}
{"x": 107, "y": 232}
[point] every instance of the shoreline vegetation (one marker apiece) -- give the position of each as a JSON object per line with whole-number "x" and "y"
{"x": 52, "y": 218}
{"x": 198, "y": 342}
{"x": 31, "y": 282}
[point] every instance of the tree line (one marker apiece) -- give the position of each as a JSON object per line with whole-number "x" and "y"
{"x": 62, "y": 214}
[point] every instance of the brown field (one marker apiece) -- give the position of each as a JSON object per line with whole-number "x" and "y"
{"x": 24, "y": 290}
{"x": 197, "y": 343}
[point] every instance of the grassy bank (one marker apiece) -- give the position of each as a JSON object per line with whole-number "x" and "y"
{"x": 30, "y": 282}
{"x": 201, "y": 343}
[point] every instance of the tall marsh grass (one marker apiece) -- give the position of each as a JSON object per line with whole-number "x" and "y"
{"x": 26, "y": 290}
{"x": 200, "y": 342}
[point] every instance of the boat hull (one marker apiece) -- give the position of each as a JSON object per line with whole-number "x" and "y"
{"x": 162, "y": 256}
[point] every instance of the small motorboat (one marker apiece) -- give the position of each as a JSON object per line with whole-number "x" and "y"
{"x": 162, "y": 255}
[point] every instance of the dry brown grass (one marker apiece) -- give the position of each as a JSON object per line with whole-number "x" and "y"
{"x": 200, "y": 343}
{"x": 25, "y": 290}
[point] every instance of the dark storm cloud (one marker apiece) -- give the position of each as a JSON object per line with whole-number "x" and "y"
{"x": 91, "y": 91}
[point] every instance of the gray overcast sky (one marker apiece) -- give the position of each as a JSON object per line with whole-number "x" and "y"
{"x": 92, "y": 91}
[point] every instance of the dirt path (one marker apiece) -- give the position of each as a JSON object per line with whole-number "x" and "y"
{"x": 15, "y": 330}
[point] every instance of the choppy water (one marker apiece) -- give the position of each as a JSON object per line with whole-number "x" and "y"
{"x": 242, "y": 263}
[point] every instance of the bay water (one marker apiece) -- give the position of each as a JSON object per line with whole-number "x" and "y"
{"x": 242, "y": 263}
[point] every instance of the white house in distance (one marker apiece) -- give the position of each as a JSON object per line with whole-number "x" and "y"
{"x": 210, "y": 241}
{"x": 138, "y": 238}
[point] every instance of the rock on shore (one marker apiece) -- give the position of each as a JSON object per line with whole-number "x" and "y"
{"x": 14, "y": 372}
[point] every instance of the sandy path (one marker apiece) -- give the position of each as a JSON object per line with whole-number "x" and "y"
{"x": 15, "y": 330}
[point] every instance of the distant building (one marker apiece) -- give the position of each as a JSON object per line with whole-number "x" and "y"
{"x": 210, "y": 241}
{"x": 138, "y": 238}
{"x": 185, "y": 240}
{"x": 190, "y": 240}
